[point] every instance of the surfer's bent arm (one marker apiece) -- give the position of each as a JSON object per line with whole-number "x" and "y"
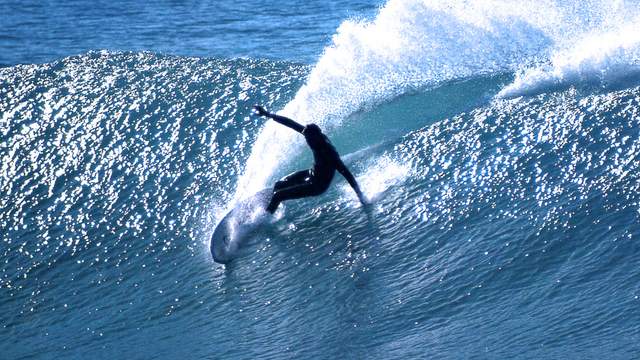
{"x": 280, "y": 119}
{"x": 342, "y": 169}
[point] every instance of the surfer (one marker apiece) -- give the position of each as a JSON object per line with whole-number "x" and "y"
{"x": 314, "y": 181}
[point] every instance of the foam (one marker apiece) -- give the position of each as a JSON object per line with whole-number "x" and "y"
{"x": 604, "y": 59}
{"x": 379, "y": 176}
{"x": 415, "y": 44}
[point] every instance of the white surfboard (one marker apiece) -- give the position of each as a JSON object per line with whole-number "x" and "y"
{"x": 238, "y": 225}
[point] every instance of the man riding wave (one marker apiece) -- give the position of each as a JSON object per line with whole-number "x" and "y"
{"x": 314, "y": 181}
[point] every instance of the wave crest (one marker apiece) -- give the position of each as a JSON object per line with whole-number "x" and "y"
{"x": 610, "y": 59}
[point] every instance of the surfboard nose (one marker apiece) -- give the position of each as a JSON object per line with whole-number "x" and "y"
{"x": 237, "y": 225}
{"x": 219, "y": 254}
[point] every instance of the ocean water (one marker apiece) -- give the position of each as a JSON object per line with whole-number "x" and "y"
{"x": 44, "y": 31}
{"x": 498, "y": 141}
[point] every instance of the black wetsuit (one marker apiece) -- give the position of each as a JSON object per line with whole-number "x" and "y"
{"x": 314, "y": 181}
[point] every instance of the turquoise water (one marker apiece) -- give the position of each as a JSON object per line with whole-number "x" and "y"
{"x": 498, "y": 142}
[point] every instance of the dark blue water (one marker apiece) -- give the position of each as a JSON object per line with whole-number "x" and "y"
{"x": 498, "y": 142}
{"x": 45, "y": 31}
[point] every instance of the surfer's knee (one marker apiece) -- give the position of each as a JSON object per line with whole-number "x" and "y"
{"x": 279, "y": 184}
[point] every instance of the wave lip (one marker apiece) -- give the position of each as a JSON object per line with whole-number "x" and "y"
{"x": 410, "y": 45}
{"x": 610, "y": 60}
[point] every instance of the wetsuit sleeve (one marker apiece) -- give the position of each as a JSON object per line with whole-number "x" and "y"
{"x": 342, "y": 169}
{"x": 286, "y": 122}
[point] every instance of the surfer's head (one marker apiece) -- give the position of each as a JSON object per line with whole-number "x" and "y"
{"x": 313, "y": 134}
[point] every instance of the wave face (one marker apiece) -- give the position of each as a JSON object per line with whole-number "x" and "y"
{"x": 413, "y": 45}
{"x": 499, "y": 144}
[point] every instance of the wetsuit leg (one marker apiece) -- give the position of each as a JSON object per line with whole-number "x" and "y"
{"x": 294, "y": 192}
{"x": 296, "y": 178}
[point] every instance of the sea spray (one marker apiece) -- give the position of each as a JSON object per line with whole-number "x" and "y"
{"x": 411, "y": 45}
{"x": 609, "y": 59}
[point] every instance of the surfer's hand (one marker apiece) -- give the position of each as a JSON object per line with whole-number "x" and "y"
{"x": 363, "y": 200}
{"x": 367, "y": 206}
{"x": 260, "y": 110}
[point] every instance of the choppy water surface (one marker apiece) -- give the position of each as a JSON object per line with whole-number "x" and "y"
{"x": 499, "y": 144}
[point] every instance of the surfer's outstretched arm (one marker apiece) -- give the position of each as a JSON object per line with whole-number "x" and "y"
{"x": 280, "y": 119}
{"x": 342, "y": 169}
